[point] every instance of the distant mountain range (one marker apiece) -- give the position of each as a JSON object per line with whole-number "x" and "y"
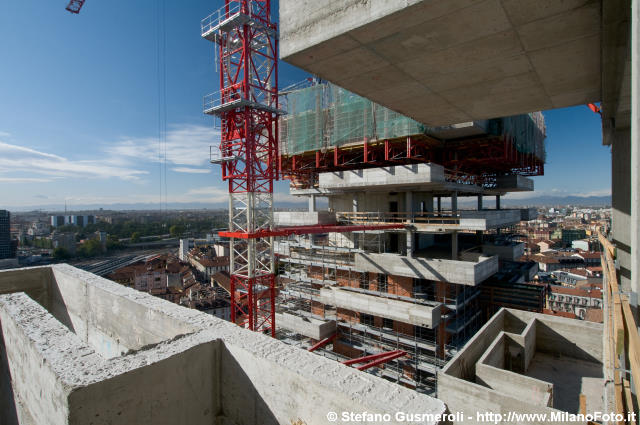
{"x": 551, "y": 201}
{"x": 538, "y": 201}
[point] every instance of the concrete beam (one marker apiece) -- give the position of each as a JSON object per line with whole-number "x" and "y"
{"x": 308, "y": 326}
{"x": 394, "y": 309}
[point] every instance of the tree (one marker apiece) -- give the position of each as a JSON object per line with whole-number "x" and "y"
{"x": 176, "y": 230}
{"x": 135, "y": 237}
{"x": 90, "y": 248}
{"x": 61, "y": 254}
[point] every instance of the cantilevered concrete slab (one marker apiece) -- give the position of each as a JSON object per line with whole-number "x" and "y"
{"x": 383, "y": 177}
{"x": 303, "y": 218}
{"x": 461, "y": 272}
{"x": 416, "y": 313}
{"x": 445, "y": 62}
{"x": 308, "y": 326}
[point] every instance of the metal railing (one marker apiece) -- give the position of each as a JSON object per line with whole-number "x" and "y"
{"x": 446, "y": 218}
{"x": 222, "y": 97}
{"x": 222, "y": 14}
{"x": 623, "y": 341}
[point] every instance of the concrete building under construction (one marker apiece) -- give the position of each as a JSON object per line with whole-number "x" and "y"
{"x": 390, "y": 279}
{"x": 413, "y": 287}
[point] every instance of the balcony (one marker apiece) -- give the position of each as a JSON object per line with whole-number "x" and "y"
{"x": 437, "y": 222}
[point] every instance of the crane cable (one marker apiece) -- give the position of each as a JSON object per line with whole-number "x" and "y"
{"x": 161, "y": 74}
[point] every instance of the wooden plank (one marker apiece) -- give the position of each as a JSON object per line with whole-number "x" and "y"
{"x": 583, "y": 404}
{"x": 628, "y": 400}
{"x": 634, "y": 343}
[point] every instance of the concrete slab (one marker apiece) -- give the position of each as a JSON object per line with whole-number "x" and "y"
{"x": 455, "y": 61}
{"x": 461, "y": 272}
{"x": 308, "y": 326}
{"x": 420, "y": 314}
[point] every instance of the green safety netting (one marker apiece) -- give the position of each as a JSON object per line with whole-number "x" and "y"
{"x": 325, "y": 115}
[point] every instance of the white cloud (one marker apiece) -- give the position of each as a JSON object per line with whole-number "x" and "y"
{"x": 20, "y": 159}
{"x": 191, "y": 170}
{"x": 24, "y": 180}
{"x": 185, "y": 145}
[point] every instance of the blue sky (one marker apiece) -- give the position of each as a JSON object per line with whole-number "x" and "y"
{"x": 79, "y": 109}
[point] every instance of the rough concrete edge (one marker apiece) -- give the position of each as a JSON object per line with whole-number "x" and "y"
{"x": 328, "y": 373}
{"x": 66, "y": 354}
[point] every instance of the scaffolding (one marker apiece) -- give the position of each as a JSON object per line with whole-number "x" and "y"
{"x": 308, "y": 263}
{"x": 329, "y": 128}
{"x": 324, "y": 115}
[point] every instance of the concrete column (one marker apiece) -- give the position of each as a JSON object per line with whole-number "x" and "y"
{"x": 454, "y": 245}
{"x": 312, "y": 203}
{"x": 408, "y": 204}
{"x": 439, "y": 204}
{"x": 479, "y": 202}
{"x": 635, "y": 149}
{"x": 497, "y": 202}
{"x": 454, "y": 201}
{"x": 410, "y": 244}
{"x": 355, "y": 203}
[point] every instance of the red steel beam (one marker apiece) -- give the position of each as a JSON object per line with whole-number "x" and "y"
{"x": 323, "y": 342}
{"x": 308, "y": 230}
{"x": 371, "y": 357}
{"x": 382, "y": 360}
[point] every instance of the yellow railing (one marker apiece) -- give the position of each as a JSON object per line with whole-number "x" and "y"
{"x": 622, "y": 334}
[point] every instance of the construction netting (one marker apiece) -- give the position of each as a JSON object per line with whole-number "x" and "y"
{"x": 324, "y": 115}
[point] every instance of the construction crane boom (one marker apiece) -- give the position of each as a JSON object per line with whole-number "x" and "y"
{"x": 74, "y": 6}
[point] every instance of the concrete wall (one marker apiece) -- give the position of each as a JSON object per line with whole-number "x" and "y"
{"x": 402, "y": 311}
{"x": 491, "y": 373}
{"x": 472, "y": 381}
{"x": 493, "y": 218}
{"x": 505, "y": 252}
{"x": 383, "y": 177}
{"x": 302, "y": 218}
{"x": 461, "y": 272}
{"x": 40, "y": 394}
{"x": 527, "y": 214}
{"x": 109, "y": 323}
{"x": 514, "y": 183}
{"x": 57, "y": 378}
{"x": 621, "y": 206}
{"x": 34, "y": 281}
{"x": 564, "y": 337}
{"x": 308, "y": 326}
{"x": 180, "y": 389}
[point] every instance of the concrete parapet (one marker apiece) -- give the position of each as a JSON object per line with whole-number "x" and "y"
{"x": 106, "y": 354}
{"x": 526, "y": 362}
